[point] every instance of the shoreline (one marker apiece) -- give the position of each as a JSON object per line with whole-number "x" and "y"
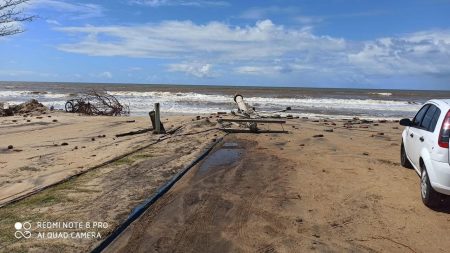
{"x": 333, "y": 103}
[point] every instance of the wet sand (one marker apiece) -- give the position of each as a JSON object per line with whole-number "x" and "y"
{"x": 342, "y": 192}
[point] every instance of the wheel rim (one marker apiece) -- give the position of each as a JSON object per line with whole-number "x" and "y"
{"x": 423, "y": 184}
{"x": 69, "y": 107}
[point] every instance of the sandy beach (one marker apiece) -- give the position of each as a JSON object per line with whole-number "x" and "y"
{"x": 202, "y": 126}
{"x": 343, "y": 192}
{"x": 326, "y": 185}
{"x": 105, "y": 193}
{"x": 53, "y": 146}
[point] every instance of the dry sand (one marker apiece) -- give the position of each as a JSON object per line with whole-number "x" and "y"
{"x": 51, "y": 147}
{"x": 105, "y": 194}
{"x": 343, "y": 192}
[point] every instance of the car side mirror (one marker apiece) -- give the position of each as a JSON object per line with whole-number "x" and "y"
{"x": 406, "y": 122}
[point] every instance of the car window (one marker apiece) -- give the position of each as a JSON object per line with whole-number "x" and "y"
{"x": 435, "y": 119}
{"x": 425, "y": 124}
{"x": 419, "y": 116}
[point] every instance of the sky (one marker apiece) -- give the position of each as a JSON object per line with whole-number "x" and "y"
{"x": 381, "y": 44}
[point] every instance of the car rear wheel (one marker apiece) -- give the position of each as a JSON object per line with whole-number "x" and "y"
{"x": 403, "y": 158}
{"x": 430, "y": 197}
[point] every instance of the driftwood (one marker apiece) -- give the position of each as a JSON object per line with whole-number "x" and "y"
{"x": 135, "y": 132}
{"x": 248, "y": 118}
{"x": 145, "y": 130}
{"x": 234, "y": 130}
{"x": 153, "y": 115}
{"x": 30, "y": 107}
{"x": 97, "y": 103}
{"x": 253, "y": 120}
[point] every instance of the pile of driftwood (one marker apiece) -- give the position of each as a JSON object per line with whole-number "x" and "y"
{"x": 97, "y": 103}
{"x": 32, "y": 107}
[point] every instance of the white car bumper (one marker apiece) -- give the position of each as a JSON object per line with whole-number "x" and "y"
{"x": 440, "y": 178}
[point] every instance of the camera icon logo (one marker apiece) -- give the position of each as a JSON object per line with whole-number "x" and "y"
{"x": 22, "y": 230}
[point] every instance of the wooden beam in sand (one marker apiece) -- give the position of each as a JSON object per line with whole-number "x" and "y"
{"x": 155, "y": 118}
{"x": 253, "y": 120}
{"x": 234, "y": 130}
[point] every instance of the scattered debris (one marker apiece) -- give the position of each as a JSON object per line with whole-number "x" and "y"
{"x": 97, "y": 103}
{"x": 30, "y": 107}
{"x": 248, "y": 119}
{"x": 135, "y": 132}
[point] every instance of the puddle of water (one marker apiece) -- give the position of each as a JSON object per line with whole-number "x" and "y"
{"x": 230, "y": 145}
{"x": 228, "y": 154}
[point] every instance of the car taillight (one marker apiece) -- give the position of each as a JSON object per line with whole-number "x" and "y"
{"x": 445, "y": 132}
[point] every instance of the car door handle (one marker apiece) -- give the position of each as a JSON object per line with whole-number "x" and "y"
{"x": 421, "y": 139}
{"x": 412, "y": 135}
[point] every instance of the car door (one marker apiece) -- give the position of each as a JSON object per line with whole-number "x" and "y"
{"x": 413, "y": 143}
{"x": 427, "y": 127}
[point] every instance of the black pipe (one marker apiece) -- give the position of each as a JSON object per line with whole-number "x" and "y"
{"x": 140, "y": 209}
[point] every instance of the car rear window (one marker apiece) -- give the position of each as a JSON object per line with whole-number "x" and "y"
{"x": 426, "y": 121}
{"x": 419, "y": 116}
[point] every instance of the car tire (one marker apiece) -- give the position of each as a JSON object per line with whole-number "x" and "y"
{"x": 430, "y": 197}
{"x": 404, "y": 159}
{"x": 69, "y": 106}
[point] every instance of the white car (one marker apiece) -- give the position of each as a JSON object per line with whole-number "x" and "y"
{"x": 425, "y": 147}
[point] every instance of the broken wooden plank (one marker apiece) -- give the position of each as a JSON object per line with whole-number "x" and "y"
{"x": 234, "y": 130}
{"x": 141, "y": 131}
{"x": 253, "y": 120}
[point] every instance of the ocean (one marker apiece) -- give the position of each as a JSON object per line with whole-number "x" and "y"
{"x": 196, "y": 99}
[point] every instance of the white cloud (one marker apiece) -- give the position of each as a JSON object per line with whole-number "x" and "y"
{"x": 22, "y": 73}
{"x": 73, "y": 9}
{"x": 105, "y": 74}
{"x": 272, "y": 69}
{"x": 417, "y": 53}
{"x": 186, "y": 40}
{"x": 52, "y": 22}
{"x": 197, "y": 70}
{"x": 267, "y": 49}
{"x": 194, "y": 3}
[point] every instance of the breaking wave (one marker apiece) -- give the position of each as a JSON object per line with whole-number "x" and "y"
{"x": 191, "y": 102}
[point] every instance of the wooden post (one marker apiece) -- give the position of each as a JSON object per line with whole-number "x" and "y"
{"x": 157, "y": 119}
